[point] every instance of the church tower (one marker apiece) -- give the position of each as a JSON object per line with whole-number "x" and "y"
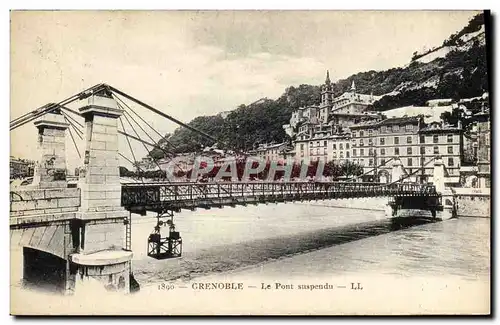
{"x": 326, "y": 98}
{"x": 327, "y": 91}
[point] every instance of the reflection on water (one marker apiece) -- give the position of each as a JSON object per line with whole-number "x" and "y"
{"x": 404, "y": 246}
{"x": 457, "y": 247}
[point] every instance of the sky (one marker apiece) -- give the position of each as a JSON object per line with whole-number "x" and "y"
{"x": 191, "y": 63}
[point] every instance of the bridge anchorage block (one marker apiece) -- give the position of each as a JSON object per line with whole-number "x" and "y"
{"x": 164, "y": 247}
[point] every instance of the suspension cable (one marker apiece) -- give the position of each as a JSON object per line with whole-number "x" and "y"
{"x": 70, "y": 110}
{"x": 142, "y": 119}
{"x": 411, "y": 174}
{"x": 136, "y": 165}
{"x": 74, "y": 142}
{"x": 132, "y": 163}
{"x": 385, "y": 163}
{"x": 156, "y": 143}
{"x": 133, "y": 129}
{"x": 78, "y": 132}
{"x": 28, "y": 117}
{"x": 70, "y": 117}
{"x": 162, "y": 114}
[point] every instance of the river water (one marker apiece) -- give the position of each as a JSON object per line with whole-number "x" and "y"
{"x": 338, "y": 241}
{"x": 316, "y": 239}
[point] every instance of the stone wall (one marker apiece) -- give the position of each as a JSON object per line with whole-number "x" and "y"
{"x": 473, "y": 202}
{"x": 103, "y": 234}
{"x": 31, "y": 205}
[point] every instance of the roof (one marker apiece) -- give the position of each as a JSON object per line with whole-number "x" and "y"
{"x": 364, "y": 124}
{"x": 438, "y": 127}
{"x": 401, "y": 120}
{"x": 430, "y": 113}
{"x": 266, "y": 146}
{"x": 356, "y": 114}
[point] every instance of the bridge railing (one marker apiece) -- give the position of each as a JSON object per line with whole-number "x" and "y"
{"x": 199, "y": 193}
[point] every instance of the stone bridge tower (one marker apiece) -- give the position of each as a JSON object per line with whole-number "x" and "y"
{"x": 73, "y": 236}
{"x": 100, "y": 254}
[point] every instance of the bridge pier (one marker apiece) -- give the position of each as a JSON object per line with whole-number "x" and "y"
{"x": 50, "y": 168}
{"x": 100, "y": 259}
{"x": 441, "y": 207}
{"x": 397, "y": 170}
{"x": 408, "y": 206}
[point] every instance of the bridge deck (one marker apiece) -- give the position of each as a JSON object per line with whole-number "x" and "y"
{"x": 140, "y": 197}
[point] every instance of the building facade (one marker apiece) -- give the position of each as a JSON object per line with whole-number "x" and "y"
{"x": 333, "y": 115}
{"x": 483, "y": 149}
{"x": 273, "y": 151}
{"x": 416, "y": 144}
{"x": 20, "y": 168}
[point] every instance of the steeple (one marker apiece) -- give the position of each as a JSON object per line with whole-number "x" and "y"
{"x": 327, "y": 81}
{"x": 353, "y": 87}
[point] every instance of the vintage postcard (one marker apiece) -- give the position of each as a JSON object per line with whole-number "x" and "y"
{"x": 250, "y": 163}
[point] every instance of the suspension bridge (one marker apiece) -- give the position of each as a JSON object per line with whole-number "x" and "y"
{"x": 81, "y": 232}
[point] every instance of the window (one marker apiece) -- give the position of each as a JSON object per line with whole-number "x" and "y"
{"x": 396, "y": 151}
{"x": 361, "y": 143}
{"x": 382, "y": 152}
{"x": 334, "y": 146}
{"x": 324, "y": 143}
{"x": 317, "y": 143}
{"x": 408, "y": 139}
{"x": 370, "y": 152}
{"x": 341, "y": 154}
{"x": 361, "y": 152}
{"x": 341, "y": 146}
{"x": 382, "y": 141}
{"x": 410, "y": 163}
{"x": 395, "y": 128}
{"x": 361, "y": 133}
{"x": 354, "y": 152}
{"x": 362, "y": 162}
{"x": 409, "y": 127}
{"x": 370, "y": 142}
{"x": 450, "y": 149}
{"x": 383, "y": 129}
{"x": 449, "y": 138}
{"x": 408, "y": 151}
{"x": 311, "y": 144}
{"x": 370, "y": 132}
{"x": 347, "y": 154}
{"x": 317, "y": 151}
{"x": 353, "y": 134}
{"x": 396, "y": 140}
{"x": 382, "y": 161}
{"x": 436, "y": 150}
{"x": 450, "y": 161}
{"x": 301, "y": 147}
{"x": 347, "y": 145}
{"x": 435, "y": 139}
{"x": 422, "y": 150}
{"x": 422, "y": 139}
{"x": 370, "y": 162}
{"x": 324, "y": 151}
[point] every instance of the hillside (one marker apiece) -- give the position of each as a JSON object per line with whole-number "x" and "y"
{"x": 456, "y": 69}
